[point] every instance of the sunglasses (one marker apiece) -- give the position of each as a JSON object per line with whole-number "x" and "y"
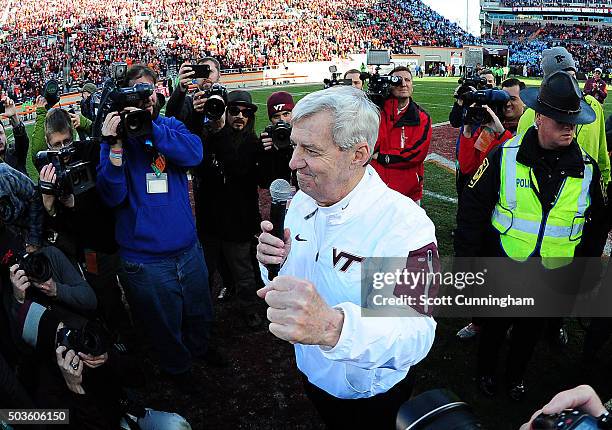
{"x": 235, "y": 110}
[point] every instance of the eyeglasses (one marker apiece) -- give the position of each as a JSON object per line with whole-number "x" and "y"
{"x": 235, "y": 110}
{"x": 60, "y": 145}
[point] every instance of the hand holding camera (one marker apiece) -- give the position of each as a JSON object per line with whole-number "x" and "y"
{"x": 186, "y": 74}
{"x": 495, "y": 124}
{"x": 71, "y": 367}
{"x": 20, "y": 282}
{"x": 9, "y": 108}
{"x": 266, "y": 140}
{"x": 110, "y": 126}
{"x": 199, "y": 100}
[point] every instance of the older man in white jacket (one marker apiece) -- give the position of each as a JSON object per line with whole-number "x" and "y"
{"x": 356, "y": 366}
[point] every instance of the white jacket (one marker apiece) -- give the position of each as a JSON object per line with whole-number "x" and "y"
{"x": 373, "y": 353}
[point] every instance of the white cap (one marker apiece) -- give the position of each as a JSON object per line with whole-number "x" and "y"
{"x": 598, "y": 69}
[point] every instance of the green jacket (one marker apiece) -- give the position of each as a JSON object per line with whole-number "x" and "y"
{"x": 38, "y": 141}
{"x": 590, "y": 137}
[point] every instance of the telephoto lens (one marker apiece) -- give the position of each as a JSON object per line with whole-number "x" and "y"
{"x": 436, "y": 410}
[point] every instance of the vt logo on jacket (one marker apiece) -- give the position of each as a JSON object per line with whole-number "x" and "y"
{"x": 350, "y": 259}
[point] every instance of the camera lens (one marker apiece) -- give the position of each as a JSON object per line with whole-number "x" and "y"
{"x": 436, "y": 410}
{"x": 37, "y": 267}
{"x": 214, "y": 107}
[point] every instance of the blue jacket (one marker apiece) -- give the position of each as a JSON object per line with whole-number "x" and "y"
{"x": 151, "y": 227}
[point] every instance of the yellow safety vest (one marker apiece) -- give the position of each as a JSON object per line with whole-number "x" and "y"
{"x": 519, "y": 218}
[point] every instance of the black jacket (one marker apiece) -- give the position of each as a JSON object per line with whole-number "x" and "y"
{"x": 234, "y": 165}
{"x": 17, "y": 153}
{"x": 476, "y": 237}
{"x": 180, "y": 106}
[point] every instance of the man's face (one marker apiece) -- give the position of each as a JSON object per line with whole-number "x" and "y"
{"x": 151, "y": 103}
{"x": 490, "y": 79}
{"x": 405, "y": 90}
{"x": 553, "y": 134}
{"x": 239, "y": 116}
{"x": 515, "y": 107}
{"x": 3, "y": 139}
{"x": 323, "y": 170}
{"x": 597, "y": 75}
{"x": 355, "y": 80}
{"x": 84, "y": 95}
{"x": 59, "y": 140}
{"x": 212, "y": 78}
{"x": 281, "y": 116}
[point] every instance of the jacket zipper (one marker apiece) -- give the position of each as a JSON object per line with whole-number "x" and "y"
{"x": 545, "y": 220}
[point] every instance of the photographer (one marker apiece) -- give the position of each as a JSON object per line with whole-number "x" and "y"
{"x": 403, "y": 139}
{"x": 279, "y": 104}
{"x": 80, "y": 370}
{"x": 162, "y": 264}
{"x": 190, "y": 108}
{"x": 69, "y": 219}
{"x": 355, "y": 76}
{"x": 86, "y": 92}
{"x": 478, "y": 140}
{"x": 14, "y": 155}
{"x": 227, "y": 208}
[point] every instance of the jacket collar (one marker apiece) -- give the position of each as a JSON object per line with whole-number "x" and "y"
{"x": 368, "y": 190}
{"x": 410, "y": 117}
{"x": 530, "y": 153}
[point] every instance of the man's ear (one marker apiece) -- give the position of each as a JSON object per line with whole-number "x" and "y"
{"x": 362, "y": 155}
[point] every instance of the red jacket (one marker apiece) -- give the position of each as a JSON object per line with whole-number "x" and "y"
{"x": 400, "y": 161}
{"x": 471, "y": 158}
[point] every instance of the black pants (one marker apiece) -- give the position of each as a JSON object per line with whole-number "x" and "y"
{"x": 378, "y": 412}
{"x": 237, "y": 256}
{"x": 597, "y": 335}
{"x": 525, "y": 335}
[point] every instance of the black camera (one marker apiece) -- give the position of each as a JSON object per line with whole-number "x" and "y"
{"x": 216, "y": 96}
{"x": 436, "y": 410}
{"x": 379, "y": 87}
{"x": 36, "y": 266}
{"x": 118, "y": 72}
{"x": 570, "y": 419}
{"x": 280, "y": 134}
{"x": 328, "y": 83}
{"x": 495, "y": 99}
{"x": 92, "y": 339}
{"x": 115, "y": 99}
{"x": 51, "y": 93}
{"x": 202, "y": 71}
{"x": 135, "y": 124}
{"x": 73, "y": 175}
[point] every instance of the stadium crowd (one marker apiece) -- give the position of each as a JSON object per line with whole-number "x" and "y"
{"x": 238, "y": 34}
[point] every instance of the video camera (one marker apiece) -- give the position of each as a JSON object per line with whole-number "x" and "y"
{"x": 115, "y": 99}
{"x": 51, "y": 93}
{"x": 379, "y": 86}
{"x": 443, "y": 410}
{"x": 280, "y": 134}
{"x": 74, "y": 176}
{"x": 214, "y": 107}
{"x": 328, "y": 83}
{"x": 495, "y": 99}
{"x": 36, "y": 265}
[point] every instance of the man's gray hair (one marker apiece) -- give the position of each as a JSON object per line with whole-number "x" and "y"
{"x": 355, "y": 118}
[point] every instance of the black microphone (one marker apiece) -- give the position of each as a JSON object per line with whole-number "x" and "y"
{"x": 281, "y": 192}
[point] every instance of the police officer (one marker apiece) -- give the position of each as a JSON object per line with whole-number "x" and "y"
{"x": 537, "y": 195}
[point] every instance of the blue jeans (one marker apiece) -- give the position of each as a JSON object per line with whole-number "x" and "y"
{"x": 171, "y": 300}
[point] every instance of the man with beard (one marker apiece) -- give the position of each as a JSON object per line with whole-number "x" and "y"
{"x": 162, "y": 264}
{"x": 227, "y": 198}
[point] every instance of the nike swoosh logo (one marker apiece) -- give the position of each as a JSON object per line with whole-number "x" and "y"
{"x": 299, "y": 239}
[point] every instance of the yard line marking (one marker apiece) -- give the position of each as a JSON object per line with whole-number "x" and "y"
{"x": 439, "y": 196}
{"x": 441, "y": 124}
{"x": 442, "y": 161}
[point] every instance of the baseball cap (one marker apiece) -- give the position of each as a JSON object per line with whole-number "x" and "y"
{"x": 280, "y": 101}
{"x": 556, "y": 59}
